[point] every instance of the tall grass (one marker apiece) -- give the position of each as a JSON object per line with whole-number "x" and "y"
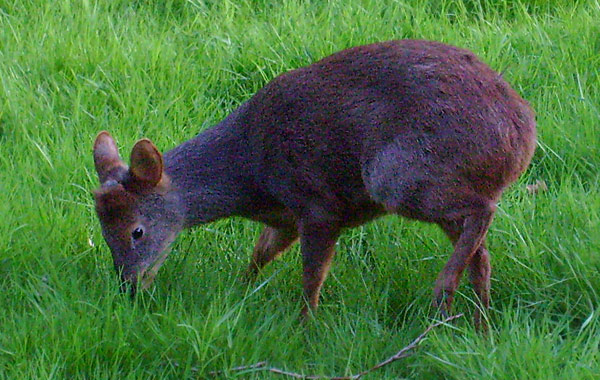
{"x": 168, "y": 69}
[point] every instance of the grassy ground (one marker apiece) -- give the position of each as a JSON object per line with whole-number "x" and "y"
{"x": 168, "y": 69}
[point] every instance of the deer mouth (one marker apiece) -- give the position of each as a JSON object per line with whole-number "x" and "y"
{"x": 147, "y": 275}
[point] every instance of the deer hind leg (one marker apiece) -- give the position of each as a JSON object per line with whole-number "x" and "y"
{"x": 317, "y": 244}
{"x": 479, "y": 271}
{"x": 464, "y": 215}
{"x": 271, "y": 243}
{"x": 467, "y": 252}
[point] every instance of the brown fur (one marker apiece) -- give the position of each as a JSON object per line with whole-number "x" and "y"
{"x": 271, "y": 243}
{"x": 415, "y": 128}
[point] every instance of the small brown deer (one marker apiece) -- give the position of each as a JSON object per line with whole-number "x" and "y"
{"x": 411, "y": 127}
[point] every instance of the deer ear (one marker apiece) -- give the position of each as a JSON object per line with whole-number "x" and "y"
{"x": 106, "y": 157}
{"x": 146, "y": 164}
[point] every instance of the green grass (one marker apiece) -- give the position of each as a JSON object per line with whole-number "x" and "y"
{"x": 168, "y": 69}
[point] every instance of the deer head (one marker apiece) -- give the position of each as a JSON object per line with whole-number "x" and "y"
{"x": 137, "y": 208}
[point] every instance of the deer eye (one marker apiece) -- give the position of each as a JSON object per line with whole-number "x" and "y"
{"x": 137, "y": 233}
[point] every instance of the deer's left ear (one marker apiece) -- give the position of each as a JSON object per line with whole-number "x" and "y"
{"x": 106, "y": 158}
{"x": 146, "y": 167}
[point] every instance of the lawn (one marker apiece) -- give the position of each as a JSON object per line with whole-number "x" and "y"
{"x": 169, "y": 69}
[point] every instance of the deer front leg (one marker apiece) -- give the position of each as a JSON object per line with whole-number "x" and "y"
{"x": 317, "y": 242}
{"x": 271, "y": 243}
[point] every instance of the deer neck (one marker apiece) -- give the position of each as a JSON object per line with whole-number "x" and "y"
{"x": 210, "y": 173}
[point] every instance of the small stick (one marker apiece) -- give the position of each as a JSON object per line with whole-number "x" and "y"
{"x": 404, "y": 352}
{"x": 259, "y": 365}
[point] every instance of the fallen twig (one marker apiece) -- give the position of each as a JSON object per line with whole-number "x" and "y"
{"x": 259, "y": 365}
{"x": 404, "y": 352}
